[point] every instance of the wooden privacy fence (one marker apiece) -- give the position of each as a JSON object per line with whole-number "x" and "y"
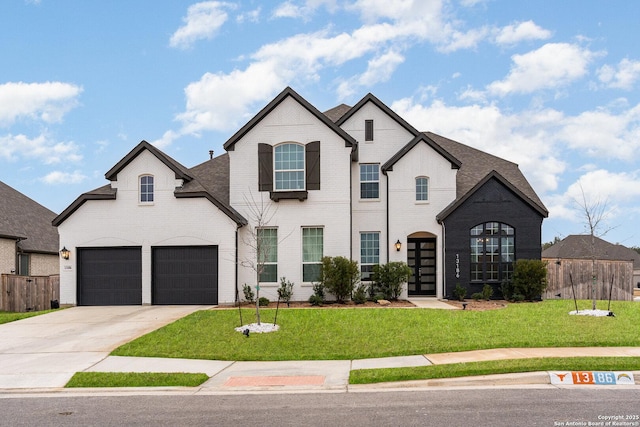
{"x": 560, "y": 272}
{"x": 20, "y": 294}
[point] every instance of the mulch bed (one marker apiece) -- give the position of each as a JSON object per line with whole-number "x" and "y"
{"x": 480, "y": 305}
{"x": 332, "y": 304}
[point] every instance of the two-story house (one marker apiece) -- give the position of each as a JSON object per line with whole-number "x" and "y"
{"x": 358, "y": 182}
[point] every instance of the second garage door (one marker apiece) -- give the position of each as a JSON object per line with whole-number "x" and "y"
{"x": 185, "y": 275}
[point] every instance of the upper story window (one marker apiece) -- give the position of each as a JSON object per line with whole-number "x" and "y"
{"x": 492, "y": 252}
{"x": 368, "y": 130}
{"x": 369, "y": 181}
{"x": 146, "y": 189}
{"x": 422, "y": 189}
{"x": 289, "y": 167}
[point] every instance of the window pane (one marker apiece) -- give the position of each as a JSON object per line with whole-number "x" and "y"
{"x": 269, "y": 273}
{"x": 422, "y": 189}
{"x": 369, "y": 253}
{"x": 312, "y": 250}
{"x": 268, "y": 248}
{"x": 477, "y": 230}
{"x": 492, "y": 256}
{"x": 507, "y": 249}
{"x": 146, "y": 188}
{"x": 369, "y": 181}
{"x": 311, "y": 272}
{"x": 289, "y": 167}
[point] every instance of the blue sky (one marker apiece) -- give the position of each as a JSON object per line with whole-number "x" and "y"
{"x": 551, "y": 85}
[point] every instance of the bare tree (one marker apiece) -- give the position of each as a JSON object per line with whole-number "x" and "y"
{"x": 261, "y": 213}
{"x": 595, "y": 215}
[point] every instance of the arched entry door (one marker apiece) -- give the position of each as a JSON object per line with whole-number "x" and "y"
{"x": 421, "y": 257}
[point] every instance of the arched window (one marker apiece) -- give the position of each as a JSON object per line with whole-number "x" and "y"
{"x": 289, "y": 167}
{"x": 146, "y": 189}
{"x": 422, "y": 189}
{"x": 492, "y": 252}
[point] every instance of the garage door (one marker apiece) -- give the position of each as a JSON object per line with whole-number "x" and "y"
{"x": 185, "y": 275}
{"x": 110, "y": 276}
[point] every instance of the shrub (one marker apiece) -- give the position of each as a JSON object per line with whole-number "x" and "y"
{"x": 285, "y": 291}
{"x": 459, "y": 292}
{"x": 340, "y": 276}
{"x": 487, "y": 292}
{"x": 263, "y": 302}
{"x": 529, "y": 278}
{"x": 389, "y": 279}
{"x": 318, "y": 294}
{"x": 360, "y": 294}
{"x": 248, "y": 293}
{"x": 477, "y": 296}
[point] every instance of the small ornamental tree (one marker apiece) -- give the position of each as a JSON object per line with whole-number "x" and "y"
{"x": 390, "y": 277}
{"x": 340, "y": 276}
{"x": 529, "y": 278}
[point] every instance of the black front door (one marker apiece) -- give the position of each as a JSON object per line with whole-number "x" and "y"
{"x": 421, "y": 257}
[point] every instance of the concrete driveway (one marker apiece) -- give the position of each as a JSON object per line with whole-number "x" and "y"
{"x": 45, "y": 351}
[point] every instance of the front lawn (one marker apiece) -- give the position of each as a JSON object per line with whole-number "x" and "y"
{"x": 6, "y": 317}
{"x": 358, "y": 333}
{"x": 136, "y": 379}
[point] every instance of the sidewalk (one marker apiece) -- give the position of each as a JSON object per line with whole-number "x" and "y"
{"x": 333, "y": 375}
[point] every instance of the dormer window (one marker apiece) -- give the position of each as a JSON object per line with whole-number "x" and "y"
{"x": 146, "y": 189}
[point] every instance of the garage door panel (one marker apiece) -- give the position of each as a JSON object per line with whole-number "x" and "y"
{"x": 185, "y": 275}
{"x": 109, "y": 276}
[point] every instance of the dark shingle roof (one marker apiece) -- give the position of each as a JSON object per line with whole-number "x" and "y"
{"x": 578, "y": 246}
{"x": 337, "y": 112}
{"x": 477, "y": 165}
{"x": 23, "y": 218}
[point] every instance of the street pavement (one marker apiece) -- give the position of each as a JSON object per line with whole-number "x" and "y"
{"x": 41, "y": 353}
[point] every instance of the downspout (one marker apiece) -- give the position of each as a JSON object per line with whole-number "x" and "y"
{"x": 237, "y": 254}
{"x": 387, "y": 214}
{"x": 444, "y": 259}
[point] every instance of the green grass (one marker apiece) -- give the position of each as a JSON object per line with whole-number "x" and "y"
{"x": 135, "y": 379}
{"x": 332, "y": 334}
{"x": 6, "y": 317}
{"x": 369, "y": 376}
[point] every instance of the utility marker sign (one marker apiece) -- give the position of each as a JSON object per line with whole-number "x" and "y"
{"x": 591, "y": 378}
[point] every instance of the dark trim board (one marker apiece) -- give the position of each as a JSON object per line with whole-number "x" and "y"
{"x": 184, "y": 275}
{"x": 109, "y": 276}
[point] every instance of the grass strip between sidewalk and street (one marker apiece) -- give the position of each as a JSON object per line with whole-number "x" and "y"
{"x": 360, "y": 333}
{"x": 457, "y": 370}
{"x": 136, "y": 379}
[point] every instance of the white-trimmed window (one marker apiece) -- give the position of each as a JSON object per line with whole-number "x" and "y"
{"x": 146, "y": 189}
{"x": 268, "y": 248}
{"x": 288, "y": 167}
{"x": 369, "y": 254}
{"x": 422, "y": 189}
{"x": 370, "y": 181}
{"x": 312, "y": 250}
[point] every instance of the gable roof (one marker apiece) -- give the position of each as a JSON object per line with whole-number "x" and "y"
{"x": 209, "y": 180}
{"x": 477, "y": 167}
{"x": 334, "y": 114}
{"x": 578, "y": 246}
{"x": 388, "y": 166}
{"x": 23, "y": 219}
{"x": 381, "y": 105}
{"x": 286, "y": 93}
{"x": 180, "y": 171}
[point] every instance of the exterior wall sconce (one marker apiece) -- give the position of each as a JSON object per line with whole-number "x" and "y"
{"x": 398, "y": 245}
{"x": 65, "y": 253}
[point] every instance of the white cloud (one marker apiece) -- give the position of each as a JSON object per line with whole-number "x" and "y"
{"x": 290, "y": 9}
{"x": 251, "y": 16}
{"x": 58, "y": 177}
{"x": 528, "y": 30}
{"x": 40, "y": 148}
{"x": 203, "y": 20}
{"x": 624, "y": 76}
{"x": 378, "y": 70}
{"x": 47, "y": 102}
{"x": 552, "y": 66}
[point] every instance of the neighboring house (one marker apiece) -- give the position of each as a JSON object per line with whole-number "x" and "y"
{"x": 358, "y": 182}
{"x": 572, "y": 259}
{"x": 28, "y": 241}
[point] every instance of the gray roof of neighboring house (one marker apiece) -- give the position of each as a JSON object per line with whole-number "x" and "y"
{"x": 209, "y": 180}
{"x": 23, "y": 218}
{"x": 578, "y": 246}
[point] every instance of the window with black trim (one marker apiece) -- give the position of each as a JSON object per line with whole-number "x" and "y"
{"x": 492, "y": 252}
{"x": 146, "y": 189}
{"x": 369, "y": 181}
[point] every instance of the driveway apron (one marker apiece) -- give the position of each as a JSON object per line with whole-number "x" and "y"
{"x": 45, "y": 351}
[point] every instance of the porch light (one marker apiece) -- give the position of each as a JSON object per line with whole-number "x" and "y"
{"x": 65, "y": 253}
{"x": 398, "y": 245}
